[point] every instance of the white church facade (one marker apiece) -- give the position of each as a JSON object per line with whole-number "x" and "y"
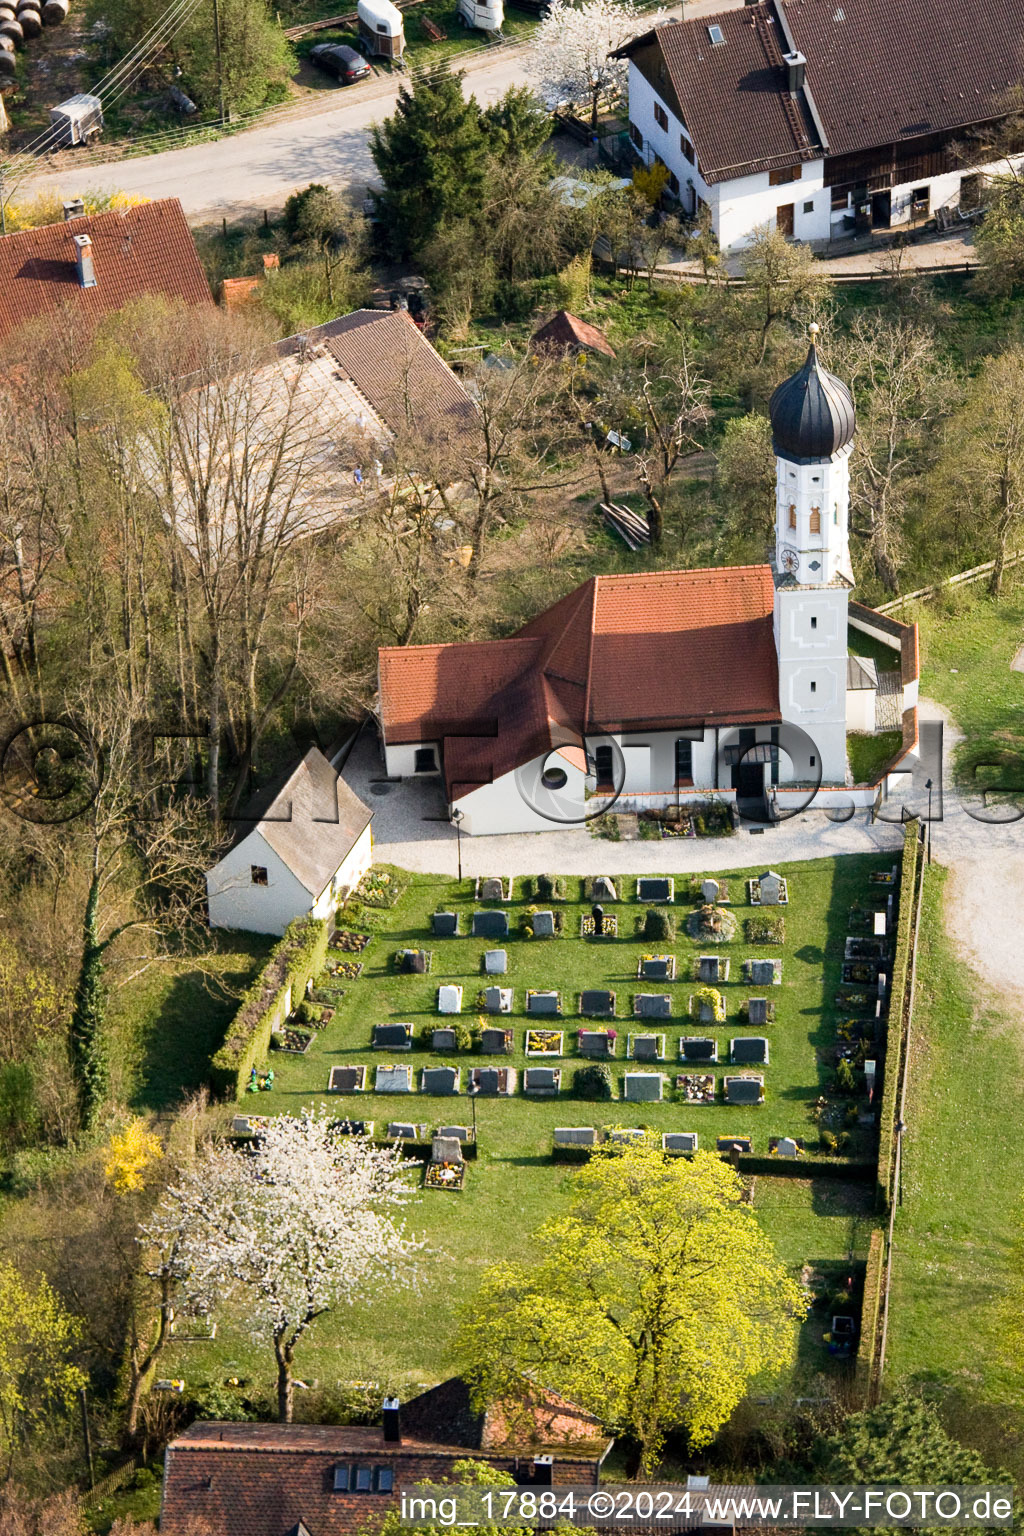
{"x": 650, "y": 689}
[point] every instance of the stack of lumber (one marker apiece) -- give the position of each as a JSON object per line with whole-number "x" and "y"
{"x": 628, "y": 525}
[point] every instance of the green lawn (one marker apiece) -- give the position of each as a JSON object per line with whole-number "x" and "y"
{"x": 967, "y": 645}
{"x": 963, "y": 1177}
{"x": 868, "y": 754}
{"x": 514, "y": 1186}
{"x": 167, "y": 1022}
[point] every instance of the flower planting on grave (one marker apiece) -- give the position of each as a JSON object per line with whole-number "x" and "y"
{"x": 765, "y": 928}
{"x": 696, "y": 1087}
{"x": 445, "y": 1175}
{"x": 297, "y": 1041}
{"x": 379, "y": 887}
{"x": 594, "y": 1082}
{"x": 711, "y": 924}
{"x": 609, "y": 928}
{"x": 544, "y": 1042}
{"x": 350, "y": 943}
{"x": 710, "y": 1001}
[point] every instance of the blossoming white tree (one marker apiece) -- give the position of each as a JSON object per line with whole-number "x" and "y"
{"x": 569, "y": 58}
{"x": 302, "y": 1224}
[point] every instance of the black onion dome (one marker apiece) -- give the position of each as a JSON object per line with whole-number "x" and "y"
{"x": 812, "y": 413}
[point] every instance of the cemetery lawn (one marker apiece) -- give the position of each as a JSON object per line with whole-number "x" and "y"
{"x": 513, "y": 1186}
{"x": 963, "y": 1176}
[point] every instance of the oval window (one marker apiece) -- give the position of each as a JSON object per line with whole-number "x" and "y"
{"x": 554, "y": 778}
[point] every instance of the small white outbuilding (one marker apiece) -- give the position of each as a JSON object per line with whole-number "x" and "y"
{"x": 301, "y": 846}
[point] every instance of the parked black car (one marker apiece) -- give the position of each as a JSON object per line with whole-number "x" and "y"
{"x": 343, "y": 63}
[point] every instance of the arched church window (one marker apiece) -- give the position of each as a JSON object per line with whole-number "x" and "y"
{"x": 815, "y": 519}
{"x": 792, "y": 514}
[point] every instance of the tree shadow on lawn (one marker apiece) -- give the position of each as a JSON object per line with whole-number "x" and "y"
{"x": 179, "y": 1040}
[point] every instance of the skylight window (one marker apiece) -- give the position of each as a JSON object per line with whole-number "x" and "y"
{"x": 717, "y": 36}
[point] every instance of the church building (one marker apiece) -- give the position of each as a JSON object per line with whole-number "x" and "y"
{"x": 646, "y": 690}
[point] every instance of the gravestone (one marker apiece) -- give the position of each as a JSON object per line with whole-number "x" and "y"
{"x": 413, "y": 962}
{"x": 495, "y": 1042}
{"x": 762, "y": 972}
{"x": 705, "y": 1012}
{"x": 597, "y": 1003}
{"x": 346, "y": 1080}
{"x": 653, "y": 1005}
{"x": 575, "y": 1136}
{"x": 647, "y": 1047}
{"x": 393, "y": 1037}
{"x": 443, "y": 1040}
{"x": 603, "y": 889}
{"x": 498, "y": 999}
{"x": 393, "y": 1080}
{"x": 733, "y": 1144}
{"x": 440, "y": 1080}
{"x": 786, "y": 1147}
{"x": 353, "y": 1127}
{"x": 744, "y": 1090}
{"x": 240, "y": 1125}
{"x": 679, "y": 1141}
{"x": 449, "y": 999}
{"x": 757, "y": 1010}
{"x": 495, "y": 962}
{"x": 542, "y": 1002}
{"x": 709, "y": 891}
{"x": 446, "y": 1149}
{"x": 749, "y": 1048}
{"x": 490, "y": 925}
{"x": 649, "y": 888}
{"x": 487, "y": 1079}
{"x": 698, "y": 1049}
{"x": 657, "y": 969}
{"x": 445, "y": 924}
{"x": 770, "y": 886}
{"x": 459, "y": 1132}
{"x": 543, "y": 925}
{"x": 542, "y": 1079}
{"x": 492, "y": 890}
{"x": 402, "y": 1131}
{"x": 643, "y": 1087}
{"x": 626, "y": 1133}
{"x": 594, "y": 1042}
{"x": 708, "y": 968}
{"x": 597, "y": 913}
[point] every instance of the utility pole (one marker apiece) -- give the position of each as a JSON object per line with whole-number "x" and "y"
{"x": 220, "y": 71}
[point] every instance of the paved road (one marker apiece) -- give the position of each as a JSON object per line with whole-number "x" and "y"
{"x": 258, "y": 169}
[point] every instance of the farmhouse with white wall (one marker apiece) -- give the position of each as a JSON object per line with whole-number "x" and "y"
{"x": 650, "y": 689}
{"x": 301, "y": 846}
{"x": 823, "y": 118}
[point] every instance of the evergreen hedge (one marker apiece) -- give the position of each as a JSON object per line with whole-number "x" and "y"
{"x": 277, "y": 990}
{"x": 894, "y": 1028}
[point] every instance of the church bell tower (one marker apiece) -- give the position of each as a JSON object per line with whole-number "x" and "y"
{"x": 813, "y": 422}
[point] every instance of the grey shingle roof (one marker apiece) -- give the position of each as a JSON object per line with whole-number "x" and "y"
{"x": 311, "y": 821}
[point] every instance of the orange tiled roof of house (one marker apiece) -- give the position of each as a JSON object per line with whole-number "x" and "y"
{"x": 135, "y": 251}
{"x": 566, "y": 332}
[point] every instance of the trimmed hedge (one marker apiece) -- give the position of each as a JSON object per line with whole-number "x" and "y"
{"x": 869, "y": 1311}
{"x": 894, "y": 1029}
{"x": 279, "y": 987}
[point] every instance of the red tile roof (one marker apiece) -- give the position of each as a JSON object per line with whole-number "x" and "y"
{"x": 567, "y": 332}
{"x": 660, "y": 650}
{"x": 135, "y": 251}
{"x": 879, "y": 72}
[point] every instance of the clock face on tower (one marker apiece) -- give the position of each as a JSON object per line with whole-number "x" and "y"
{"x": 790, "y": 561}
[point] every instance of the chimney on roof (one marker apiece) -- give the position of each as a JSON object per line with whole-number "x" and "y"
{"x": 391, "y": 1421}
{"x": 83, "y": 259}
{"x": 796, "y": 70}
{"x": 73, "y": 209}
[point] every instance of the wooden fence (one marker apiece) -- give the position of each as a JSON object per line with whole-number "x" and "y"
{"x": 962, "y": 579}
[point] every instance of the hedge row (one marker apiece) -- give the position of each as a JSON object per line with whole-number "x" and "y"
{"x": 869, "y": 1311}
{"x": 279, "y": 987}
{"x": 897, "y": 997}
{"x": 768, "y": 1167}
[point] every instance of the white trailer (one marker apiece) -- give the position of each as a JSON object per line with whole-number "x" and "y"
{"x": 381, "y": 32}
{"x": 487, "y": 15}
{"x": 78, "y": 120}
